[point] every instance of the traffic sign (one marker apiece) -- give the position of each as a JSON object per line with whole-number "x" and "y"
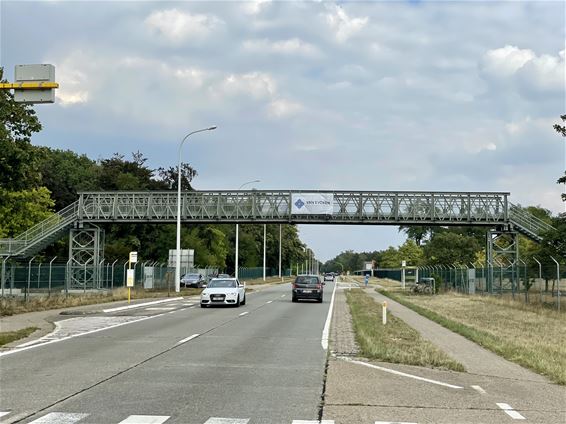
{"x": 133, "y": 257}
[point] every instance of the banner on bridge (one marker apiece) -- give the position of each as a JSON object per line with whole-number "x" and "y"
{"x": 312, "y": 203}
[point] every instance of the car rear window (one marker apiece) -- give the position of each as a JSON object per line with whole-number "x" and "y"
{"x": 306, "y": 280}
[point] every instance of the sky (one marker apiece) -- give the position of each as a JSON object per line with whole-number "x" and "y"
{"x": 384, "y": 95}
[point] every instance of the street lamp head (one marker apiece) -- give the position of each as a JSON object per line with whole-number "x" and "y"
{"x": 212, "y": 128}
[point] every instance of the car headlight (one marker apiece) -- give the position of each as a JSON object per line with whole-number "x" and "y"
{"x": 232, "y": 294}
{"x": 203, "y": 294}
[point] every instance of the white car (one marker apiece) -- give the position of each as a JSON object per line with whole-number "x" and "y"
{"x": 223, "y": 291}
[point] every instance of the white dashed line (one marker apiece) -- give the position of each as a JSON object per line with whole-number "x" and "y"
{"x": 269, "y": 301}
{"x": 244, "y": 313}
{"x": 139, "y": 305}
{"x": 510, "y": 411}
{"x": 478, "y": 389}
{"x": 145, "y": 419}
{"x": 283, "y": 295}
{"x": 403, "y": 374}
{"x": 186, "y": 339}
{"x": 4, "y": 413}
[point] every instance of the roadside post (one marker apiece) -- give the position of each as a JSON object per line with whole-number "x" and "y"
{"x": 403, "y": 265}
{"x": 384, "y": 312}
{"x": 133, "y": 259}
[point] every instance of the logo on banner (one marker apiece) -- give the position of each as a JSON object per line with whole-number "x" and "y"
{"x": 299, "y": 203}
{"x": 312, "y": 203}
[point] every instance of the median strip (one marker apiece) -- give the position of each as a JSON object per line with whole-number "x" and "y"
{"x": 139, "y": 305}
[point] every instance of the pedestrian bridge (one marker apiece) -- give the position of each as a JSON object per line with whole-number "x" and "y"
{"x": 279, "y": 206}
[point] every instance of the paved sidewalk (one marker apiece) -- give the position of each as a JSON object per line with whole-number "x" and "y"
{"x": 342, "y": 336}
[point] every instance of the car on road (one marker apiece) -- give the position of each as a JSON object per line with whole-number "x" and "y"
{"x": 223, "y": 291}
{"x": 224, "y": 276}
{"x": 193, "y": 280}
{"x": 307, "y": 287}
{"x": 329, "y": 276}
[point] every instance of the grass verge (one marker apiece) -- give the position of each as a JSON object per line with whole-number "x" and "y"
{"x": 533, "y": 338}
{"x": 268, "y": 280}
{"x": 395, "y": 342}
{"x": 11, "y": 336}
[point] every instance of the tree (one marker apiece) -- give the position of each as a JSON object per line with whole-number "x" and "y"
{"x": 20, "y": 210}
{"x": 561, "y": 129}
{"x": 449, "y": 247}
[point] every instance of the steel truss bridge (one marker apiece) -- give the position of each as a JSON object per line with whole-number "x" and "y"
{"x": 80, "y": 219}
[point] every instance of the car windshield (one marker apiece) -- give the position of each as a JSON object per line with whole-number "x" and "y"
{"x": 306, "y": 280}
{"x": 214, "y": 284}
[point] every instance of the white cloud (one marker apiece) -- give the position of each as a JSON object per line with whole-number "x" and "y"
{"x": 290, "y": 46}
{"x": 256, "y": 84}
{"x": 254, "y": 7}
{"x": 74, "y": 86}
{"x": 176, "y": 25}
{"x": 505, "y": 61}
{"x": 343, "y": 25}
{"x": 281, "y": 108}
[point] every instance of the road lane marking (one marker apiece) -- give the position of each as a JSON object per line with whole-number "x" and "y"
{"x": 216, "y": 420}
{"x": 244, "y": 313}
{"x": 403, "y": 374}
{"x": 59, "y": 418}
{"x": 145, "y": 419}
{"x": 139, "y": 305}
{"x": 510, "y": 411}
{"x": 326, "y": 330}
{"x": 160, "y": 309}
{"x": 186, "y": 339}
{"x": 172, "y": 312}
{"x": 269, "y": 301}
{"x": 283, "y": 295}
{"x": 2, "y": 413}
{"x": 479, "y": 389}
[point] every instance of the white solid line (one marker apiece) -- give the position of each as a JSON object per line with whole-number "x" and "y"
{"x": 326, "y": 330}
{"x": 2, "y": 413}
{"x": 145, "y": 419}
{"x": 171, "y": 312}
{"x": 416, "y": 377}
{"x": 510, "y": 411}
{"x": 216, "y": 420}
{"x": 16, "y": 350}
{"x": 186, "y": 339}
{"x": 269, "y": 301}
{"x": 139, "y": 305}
{"x": 59, "y": 418}
{"x": 479, "y": 389}
{"x": 244, "y": 313}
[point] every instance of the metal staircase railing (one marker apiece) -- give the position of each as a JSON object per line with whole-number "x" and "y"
{"x": 528, "y": 224}
{"x": 35, "y": 235}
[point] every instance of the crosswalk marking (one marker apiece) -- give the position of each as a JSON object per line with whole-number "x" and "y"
{"x": 59, "y": 418}
{"x": 2, "y": 413}
{"x": 145, "y": 419}
{"x": 216, "y": 420}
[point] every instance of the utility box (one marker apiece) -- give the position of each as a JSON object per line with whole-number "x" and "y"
{"x": 34, "y": 73}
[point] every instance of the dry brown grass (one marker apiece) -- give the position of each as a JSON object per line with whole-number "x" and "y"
{"x": 12, "y": 306}
{"x": 530, "y": 335}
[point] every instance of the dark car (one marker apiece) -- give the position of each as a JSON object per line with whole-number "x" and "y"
{"x": 307, "y": 287}
{"x": 192, "y": 280}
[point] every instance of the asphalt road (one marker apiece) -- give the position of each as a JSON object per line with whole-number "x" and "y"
{"x": 263, "y": 361}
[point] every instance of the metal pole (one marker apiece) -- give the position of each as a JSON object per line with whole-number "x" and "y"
{"x": 124, "y": 267}
{"x": 38, "y": 274}
{"x": 237, "y": 251}
{"x": 29, "y": 277}
{"x": 539, "y": 276}
{"x": 4, "y": 273}
{"x": 67, "y": 276}
{"x": 50, "y": 263}
{"x": 557, "y": 282}
{"x": 100, "y": 272}
{"x": 178, "y": 245}
{"x": 112, "y": 282}
{"x": 280, "y": 233}
{"x": 264, "y": 248}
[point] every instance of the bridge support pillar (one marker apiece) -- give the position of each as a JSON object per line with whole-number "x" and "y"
{"x": 86, "y": 248}
{"x": 502, "y": 259}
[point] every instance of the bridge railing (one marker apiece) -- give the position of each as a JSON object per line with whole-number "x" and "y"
{"x": 276, "y": 206}
{"x": 37, "y": 232}
{"x": 528, "y": 222}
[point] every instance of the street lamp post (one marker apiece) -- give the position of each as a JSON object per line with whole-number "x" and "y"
{"x": 178, "y": 246}
{"x": 280, "y": 233}
{"x": 264, "y": 245}
{"x": 236, "y": 266}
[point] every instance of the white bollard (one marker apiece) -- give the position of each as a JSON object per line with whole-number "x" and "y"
{"x": 384, "y": 309}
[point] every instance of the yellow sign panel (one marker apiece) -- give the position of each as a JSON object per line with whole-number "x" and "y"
{"x": 130, "y": 278}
